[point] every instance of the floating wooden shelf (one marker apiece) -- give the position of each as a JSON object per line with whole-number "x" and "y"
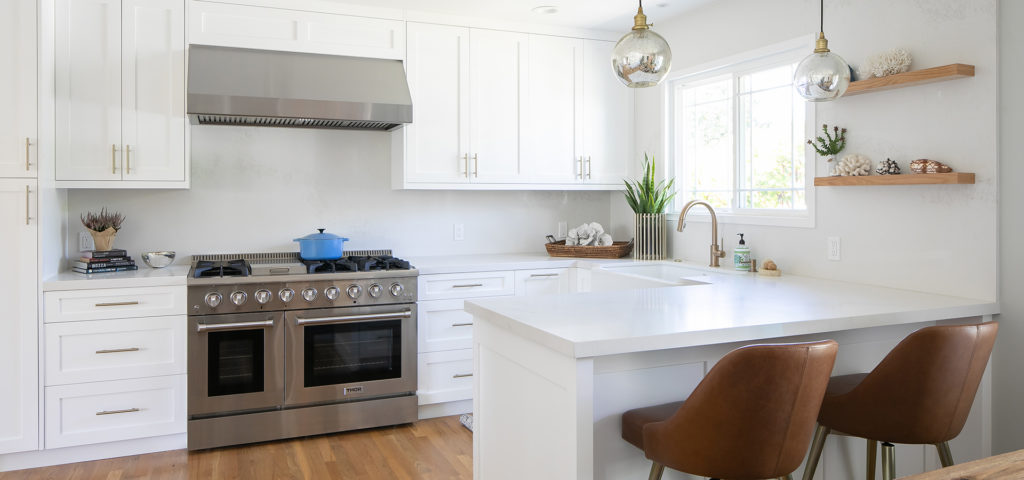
{"x": 907, "y": 79}
{"x": 955, "y": 178}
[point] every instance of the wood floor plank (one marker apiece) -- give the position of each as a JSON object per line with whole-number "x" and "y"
{"x": 435, "y": 449}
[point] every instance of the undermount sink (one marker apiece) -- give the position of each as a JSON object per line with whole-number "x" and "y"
{"x": 662, "y": 271}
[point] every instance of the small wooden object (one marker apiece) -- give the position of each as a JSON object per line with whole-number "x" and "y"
{"x": 907, "y": 79}
{"x": 615, "y": 250}
{"x": 1005, "y": 466}
{"x": 769, "y": 269}
{"x": 955, "y": 178}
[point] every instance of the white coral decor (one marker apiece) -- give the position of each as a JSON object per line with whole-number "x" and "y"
{"x": 852, "y": 165}
{"x": 892, "y": 62}
{"x": 588, "y": 234}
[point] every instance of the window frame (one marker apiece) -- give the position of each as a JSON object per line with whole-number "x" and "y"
{"x": 738, "y": 65}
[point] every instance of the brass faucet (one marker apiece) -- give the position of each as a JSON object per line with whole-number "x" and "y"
{"x": 716, "y": 250}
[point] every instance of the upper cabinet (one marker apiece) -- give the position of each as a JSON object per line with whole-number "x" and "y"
{"x": 18, "y": 147}
{"x": 120, "y": 80}
{"x": 265, "y": 28}
{"x": 504, "y": 110}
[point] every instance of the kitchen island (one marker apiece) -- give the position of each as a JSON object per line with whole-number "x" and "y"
{"x": 554, "y": 373}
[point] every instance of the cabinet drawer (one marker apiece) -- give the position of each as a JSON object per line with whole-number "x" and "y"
{"x": 542, "y": 282}
{"x": 466, "y": 285}
{"x": 445, "y": 376}
{"x": 444, "y": 325}
{"x": 101, "y": 412}
{"x": 104, "y": 304}
{"x": 114, "y": 349}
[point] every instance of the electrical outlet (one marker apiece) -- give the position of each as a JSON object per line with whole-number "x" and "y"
{"x": 459, "y": 232}
{"x": 834, "y": 251}
{"x": 85, "y": 242}
{"x": 563, "y": 230}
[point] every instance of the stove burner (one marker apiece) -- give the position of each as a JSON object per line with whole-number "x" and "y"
{"x": 227, "y": 268}
{"x": 329, "y": 266}
{"x": 357, "y": 264}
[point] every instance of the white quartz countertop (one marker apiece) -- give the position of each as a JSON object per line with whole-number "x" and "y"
{"x": 428, "y": 265}
{"x": 730, "y": 308}
{"x": 143, "y": 277}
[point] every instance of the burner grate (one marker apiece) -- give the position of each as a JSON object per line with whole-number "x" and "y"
{"x": 275, "y": 257}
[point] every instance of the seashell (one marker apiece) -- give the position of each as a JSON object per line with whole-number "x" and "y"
{"x": 769, "y": 265}
{"x": 923, "y": 165}
{"x": 852, "y": 165}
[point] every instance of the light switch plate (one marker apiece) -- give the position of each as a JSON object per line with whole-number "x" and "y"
{"x": 459, "y": 232}
{"x": 85, "y": 242}
{"x": 834, "y": 250}
{"x": 563, "y": 230}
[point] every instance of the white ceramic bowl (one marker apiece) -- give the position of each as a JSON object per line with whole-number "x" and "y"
{"x": 158, "y": 259}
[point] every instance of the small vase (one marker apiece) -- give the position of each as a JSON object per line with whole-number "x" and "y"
{"x": 104, "y": 240}
{"x": 649, "y": 235}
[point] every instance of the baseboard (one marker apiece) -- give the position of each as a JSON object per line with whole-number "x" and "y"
{"x": 85, "y": 453}
{"x": 446, "y": 409}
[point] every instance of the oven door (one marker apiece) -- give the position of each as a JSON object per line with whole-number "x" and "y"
{"x": 344, "y": 354}
{"x": 236, "y": 363}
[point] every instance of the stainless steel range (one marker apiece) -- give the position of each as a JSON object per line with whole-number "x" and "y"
{"x": 280, "y": 347}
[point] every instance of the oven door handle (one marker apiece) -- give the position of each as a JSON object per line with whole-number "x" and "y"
{"x": 234, "y": 326}
{"x": 355, "y": 318}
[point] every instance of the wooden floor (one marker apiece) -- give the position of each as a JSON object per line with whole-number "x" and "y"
{"x": 438, "y": 448}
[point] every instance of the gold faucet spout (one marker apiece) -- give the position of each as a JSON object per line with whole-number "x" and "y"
{"x": 716, "y": 250}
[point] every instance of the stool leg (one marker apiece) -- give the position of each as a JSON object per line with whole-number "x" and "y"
{"x": 888, "y": 461}
{"x": 787, "y": 477}
{"x": 656, "y": 470}
{"x": 945, "y": 455}
{"x": 872, "y": 458}
{"x": 816, "y": 446}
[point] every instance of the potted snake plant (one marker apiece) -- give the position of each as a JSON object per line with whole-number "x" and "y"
{"x": 649, "y": 199}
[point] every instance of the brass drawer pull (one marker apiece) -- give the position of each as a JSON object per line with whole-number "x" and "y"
{"x": 28, "y": 209}
{"x": 465, "y": 162}
{"x": 115, "y": 412}
{"x": 119, "y": 350}
{"x": 535, "y": 275}
{"x": 462, "y": 375}
{"x": 113, "y": 158}
{"x": 466, "y": 324}
{"x": 579, "y": 173}
{"x": 476, "y": 166}
{"x": 117, "y": 304}
{"x": 28, "y": 143}
{"x": 590, "y": 168}
{"x": 128, "y": 159}
{"x": 468, "y": 285}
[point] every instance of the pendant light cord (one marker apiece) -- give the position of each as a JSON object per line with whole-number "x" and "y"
{"x": 821, "y": 12}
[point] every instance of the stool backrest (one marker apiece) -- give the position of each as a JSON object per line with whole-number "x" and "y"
{"x": 751, "y": 417}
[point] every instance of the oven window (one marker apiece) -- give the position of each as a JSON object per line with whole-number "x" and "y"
{"x": 236, "y": 362}
{"x": 352, "y": 352}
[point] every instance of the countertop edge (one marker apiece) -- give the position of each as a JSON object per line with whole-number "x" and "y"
{"x": 172, "y": 276}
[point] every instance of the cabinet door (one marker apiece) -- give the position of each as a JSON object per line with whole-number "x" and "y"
{"x": 88, "y": 82}
{"x": 607, "y": 118}
{"x": 18, "y": 344}
{"x": 153, "y": 90}
{"x": 18, "y": 88}
{"x": 542, "y": 282}
{"x": 550, "y": 149}
{"x": 496, "y": 64}
{"x": 437, "y": 142}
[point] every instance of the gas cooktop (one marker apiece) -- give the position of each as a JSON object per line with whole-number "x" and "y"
{"x": 256, "y": 267}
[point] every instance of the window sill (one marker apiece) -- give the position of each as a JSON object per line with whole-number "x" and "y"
{"x": 728, "y": 218}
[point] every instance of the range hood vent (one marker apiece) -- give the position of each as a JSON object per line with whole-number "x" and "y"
{"x": 246, "y": 87}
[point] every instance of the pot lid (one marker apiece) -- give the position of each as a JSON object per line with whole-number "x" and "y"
{"x": 320, "y": 236}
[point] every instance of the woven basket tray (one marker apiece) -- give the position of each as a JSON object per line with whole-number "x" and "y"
{"x": 615, "y": 250}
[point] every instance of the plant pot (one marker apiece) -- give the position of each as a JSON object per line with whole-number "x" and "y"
{"x": 649, "y": 233}
{"x": 104, "y": 240}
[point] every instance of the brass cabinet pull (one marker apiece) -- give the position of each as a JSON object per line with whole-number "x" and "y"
{"x": 476, "y": 166}
{"x": 468, "y": 285}
{"x": 28, "y": 209}
{"x": 28, "y": 143}
{"x": 462, "y": 375}
{"x": 113, "y": 158}
{"x": 114, "y": 412}
{"x": 534, "y": 275}
{"x": 579, "y": 171}
{"x": 466, "y": 324}
{"x": 128, "y": 159}
{"x": 465, "y": 163}
{"x": 117, "y": 304}
{"x": 118, "y": 350}
{"x": 590, "y": 167}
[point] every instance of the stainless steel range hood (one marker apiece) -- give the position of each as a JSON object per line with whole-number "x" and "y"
{"x": 239, "y": 86}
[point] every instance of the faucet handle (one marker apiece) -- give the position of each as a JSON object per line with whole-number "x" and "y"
{"x": 720, "y": 249}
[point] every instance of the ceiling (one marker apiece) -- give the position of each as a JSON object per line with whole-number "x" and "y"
{"x": 612, "y": 15}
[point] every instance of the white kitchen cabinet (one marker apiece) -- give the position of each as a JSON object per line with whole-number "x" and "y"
{"x": 443, "y": 325}
{"x": 110, "y": 303}
{"x": 551, "y": 146}
{"x": 542, "y": 282}
{"x": 18, "y": 132}
{"x": 607, "y": 118}
{"x": 445, "y": 376}
{"x": 19, "y": 427}
{"x": 466, "y": 285}
{"x": 244, "y": 26}
{"x": 120, "y": 80}
{"x": 497, "y": 62}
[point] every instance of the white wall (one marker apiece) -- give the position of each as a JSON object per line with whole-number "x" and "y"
{"x": 255, "y": 189}
{"x": 933, "y": 238}
{"x": 1008, "y": 389}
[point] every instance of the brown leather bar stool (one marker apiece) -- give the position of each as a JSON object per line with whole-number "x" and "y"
{"x": 750, "y": 418}
{"x": 920, "y": 393}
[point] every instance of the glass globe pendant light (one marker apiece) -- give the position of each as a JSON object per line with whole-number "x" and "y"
{"x": 821, "y": 76}
{"x": 642, "y": 58}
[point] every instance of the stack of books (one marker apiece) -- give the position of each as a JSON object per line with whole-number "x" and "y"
{"x": 106, "y": 261}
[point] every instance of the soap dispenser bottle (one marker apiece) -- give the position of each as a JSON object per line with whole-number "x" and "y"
{"x": 741, "y": 255}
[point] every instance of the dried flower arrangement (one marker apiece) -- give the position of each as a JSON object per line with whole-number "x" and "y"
{"x": 99, "y": 222}
{"x": 831, "y": 144}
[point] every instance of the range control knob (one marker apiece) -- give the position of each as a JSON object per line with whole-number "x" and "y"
{"x": 353, "y": 291}
{"x": 375, "y": 290}
{"x": 309, "y": 294}
{"x": 263, "y": 296}
{"x": 238, "y": 297}
{"x": 396, "y": 289}
{"x": 213, "y": 299}
{"x": 332, "y": 292}
{"x": 286, "y": 294}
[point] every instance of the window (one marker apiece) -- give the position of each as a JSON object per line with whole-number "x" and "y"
{"x": 737, "y": 138}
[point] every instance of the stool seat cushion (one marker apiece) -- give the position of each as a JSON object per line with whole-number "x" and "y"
{"x": 634, "y": 420}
